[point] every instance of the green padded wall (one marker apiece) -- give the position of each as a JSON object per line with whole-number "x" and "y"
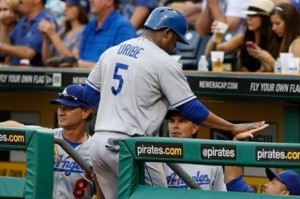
{"x": 38, "y": 145}
{"x": 134, "y": 151}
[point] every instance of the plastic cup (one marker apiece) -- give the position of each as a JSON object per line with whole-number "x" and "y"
{"x": 284, "y": 61}
{"x": 221, "y": 29}
{"x": 217, "y": 58}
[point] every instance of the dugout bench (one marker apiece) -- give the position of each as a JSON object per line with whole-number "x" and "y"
{"x": 135, "y": 151}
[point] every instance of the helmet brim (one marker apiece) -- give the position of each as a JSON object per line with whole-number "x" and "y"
{"x": 183, "y": 40}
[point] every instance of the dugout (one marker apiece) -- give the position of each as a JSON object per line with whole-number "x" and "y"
{"x": 131, "y": 171}
{"x": 237, "y": 97}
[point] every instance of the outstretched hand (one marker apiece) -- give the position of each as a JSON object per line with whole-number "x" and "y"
{"x": 243, "y": 127}
{"x": 249, "y": 134}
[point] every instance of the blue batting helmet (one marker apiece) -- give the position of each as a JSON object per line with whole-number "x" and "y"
{"x": 165, "y": 17}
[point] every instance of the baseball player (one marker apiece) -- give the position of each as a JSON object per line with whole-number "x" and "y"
{"x": 138, "y": 80}
{"x": 208, "y": 177}
{"x": 286, "y": 182}
{"x": 73, "y": 113}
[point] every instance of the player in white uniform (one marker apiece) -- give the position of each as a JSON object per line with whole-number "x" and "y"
{"x": 208, "y": 177}
{"x": 73, "y": 113}
{"x": 69, "y": 179}
{"x": 138, "y": 81}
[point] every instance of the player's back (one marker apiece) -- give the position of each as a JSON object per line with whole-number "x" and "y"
{"x": 134, "y": 78}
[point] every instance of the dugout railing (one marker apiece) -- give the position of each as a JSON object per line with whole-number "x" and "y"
{"x": 38, "y": 145}
{"x": 135, "y": 151}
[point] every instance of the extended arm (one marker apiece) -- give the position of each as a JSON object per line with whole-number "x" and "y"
{"x": 21, "y": 52}
{"x": 213, "y": 12}
{"x": 233, "y": 174}
{"x": 199, "y": 114}
{"x": 11, "y": 123}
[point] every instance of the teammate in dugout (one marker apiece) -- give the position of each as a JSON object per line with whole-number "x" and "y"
{"x": 206, "y": 176}
{"x": 137, "y": 81}
{"x": 286, "y": 182}
{"x": 73, "y": 114}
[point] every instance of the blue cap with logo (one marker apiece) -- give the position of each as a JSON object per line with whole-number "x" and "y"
{"x": 72, "y": 96}
{"x": 171, "y": 112}
{"x": 289, "y": 178}
{"x": 85, "y": 4}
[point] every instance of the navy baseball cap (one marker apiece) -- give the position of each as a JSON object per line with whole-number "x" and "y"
{"x": 72, "y": 96}
{"x": 289, "y": 178}
{"x": 171, "y": 112}
{"x": 85, "y": 4}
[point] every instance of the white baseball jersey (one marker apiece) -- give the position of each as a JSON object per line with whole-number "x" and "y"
{"x": 69, "y": 180}
{"x": 137, "y": 81}
{"x": 208, "y": 177}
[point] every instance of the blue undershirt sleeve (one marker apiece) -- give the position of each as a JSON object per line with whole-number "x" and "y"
{"x": 194, "y": 111}
{"x": 239, "y": 185}
{"x": 91, "y": 96}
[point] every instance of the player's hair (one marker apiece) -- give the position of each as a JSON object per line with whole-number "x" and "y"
{"x": 90, "y": 117}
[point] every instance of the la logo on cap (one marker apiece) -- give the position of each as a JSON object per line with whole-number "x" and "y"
{"x": 65, "y": 91}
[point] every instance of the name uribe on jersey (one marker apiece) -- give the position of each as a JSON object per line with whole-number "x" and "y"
{"x": 129, "y": 50}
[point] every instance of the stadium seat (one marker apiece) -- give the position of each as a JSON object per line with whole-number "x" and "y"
{"x": 189, "y": 53}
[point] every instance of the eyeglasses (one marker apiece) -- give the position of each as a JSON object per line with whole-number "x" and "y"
{"x": 68, "y": 97}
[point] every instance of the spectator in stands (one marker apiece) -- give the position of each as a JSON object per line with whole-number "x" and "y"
{"x": 108, "y": 29}
{"x": 190, "y": 9}
{"x": 137, "y": 11}
{"x": 25, "y": 41}
{"x": 227, "y": 11}
{"x": 66, "y": 41}
{"x": 208, "y": 177}
{"x": 73, "y": 114}
{"x": 9, "y": 10}
{"x": 284, "y": 183}
{"x": 285, "y": 23}
{"x": 258, "y": 31}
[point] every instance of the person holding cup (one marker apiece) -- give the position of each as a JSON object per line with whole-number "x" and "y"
{"x": 220, "y": 29}
{"x": 258, "y": 33}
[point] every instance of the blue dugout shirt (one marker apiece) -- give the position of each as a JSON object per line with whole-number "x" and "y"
{"x": 114, "y": 30}
{"x": 239, "y": 185}
{"x": 30, "y": 36}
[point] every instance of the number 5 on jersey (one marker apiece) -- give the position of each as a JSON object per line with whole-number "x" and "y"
{"x": 118, "y": 78}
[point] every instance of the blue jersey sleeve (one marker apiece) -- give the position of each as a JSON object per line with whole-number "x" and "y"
{"x": 194, "y": 111}
{"x": 92, "y": 96}
{"x": 239, "y": 185}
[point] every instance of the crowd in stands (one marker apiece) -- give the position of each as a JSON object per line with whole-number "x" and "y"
{"x": 74, "y": 33}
